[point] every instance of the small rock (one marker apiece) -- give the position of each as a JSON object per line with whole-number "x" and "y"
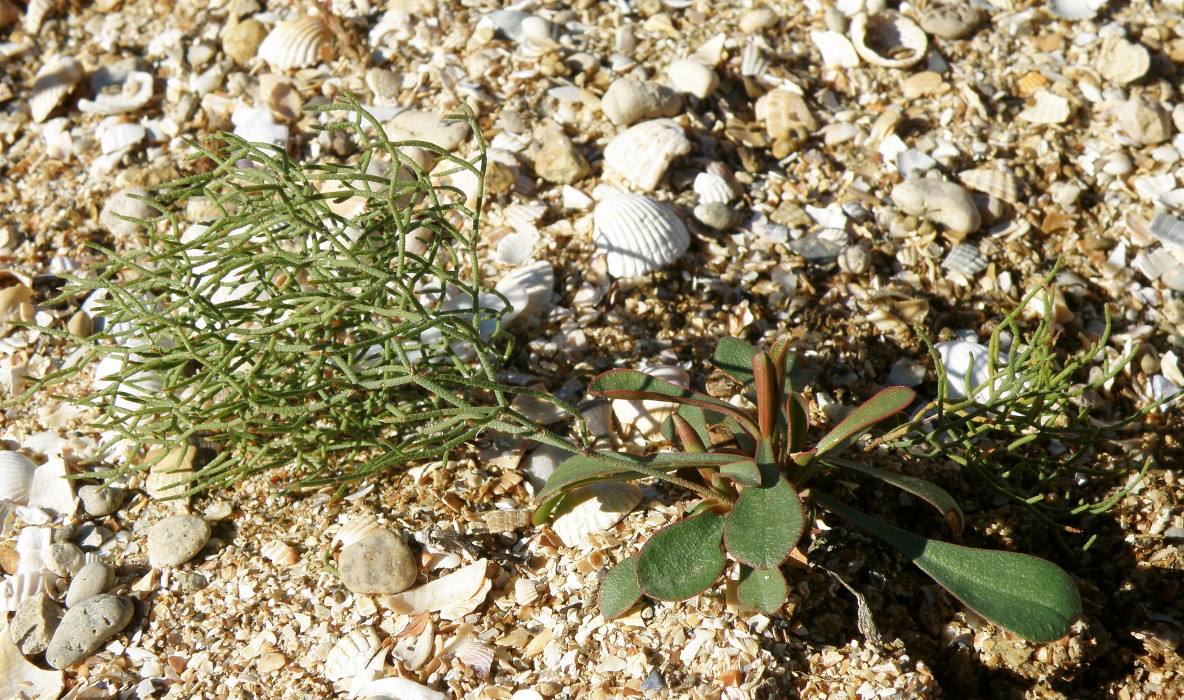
{"x": 1145, "y": 121}
{"x": 558, "y": 160}
{"x": 717, "y": 215}
{"x": 378, "y": 564}
{"x": 690, "y": 76}
{"x": 91, "y": 535}
{"x": 1121, "y": 61}
{"x": 757, "y": 19}
{"x": 628, "y": 100}
{"x": 34, "y": 623}
{"x": 950, "y": 21}
{"x": 86, "y": 628}
{"x": 63, "y": 558}
{"x": 97, "y": 500}
{"x": 174, "y": 541}
{"x": 940, "y": 201}
{"x": 91, "y": 580}
{"x": 241, "y": 42}
{"x": 123, "y": 203}
{"x": 427, "y": 126}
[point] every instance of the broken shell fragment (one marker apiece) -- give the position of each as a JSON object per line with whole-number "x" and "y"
{"x": 1075, "y": 9}
{"x": 1000, "y": 184}
{"x": 53, "y": 83}
{"x": 1048, "y": 108}
{"x": 637, "y": 234}
{"x": 888, "y": 39}
{"x": 592, "y": 509}
{"x": 1121, "y": 61}
{"x": 16, "y": 477}
{"x": 642, "y": 153}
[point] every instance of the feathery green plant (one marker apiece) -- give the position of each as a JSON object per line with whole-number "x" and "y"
{"x": 293, "y": 336}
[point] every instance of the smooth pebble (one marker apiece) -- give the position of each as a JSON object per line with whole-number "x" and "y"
{"x": 34, "y": 623}
{"x": 757, "y": 19}
{"x": 63, "y": 558}
{"x": 689, "y": 76}
{"x": 940, "y": 201}
{"x": 98, "y": 501}
{"x": 91, "y": 580}
{"x": 629, "y": 100}
{"x": 87, "y": 627}
{"x": 952, "y": 21}
{"x": 378, "y": 564}
{"x": 717, "y": 215}
{"x": 1146, "y": 121}
{"x": 174, "y": 541}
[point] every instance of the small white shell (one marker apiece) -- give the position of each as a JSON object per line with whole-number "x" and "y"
{"x": 121, "y": 137}
{"x": 965, "y": 259}
{"x": 643, "y": 152}
{"x": 646, "y": 416}
{"x": 351, "y": 654}
{"x": 35, "y": 14}
{"x": 637, "y": 234}
{"x": 1168, "y": 229}
{"x": 133, "y": 93}
{"x": 475, "y": 654}
{"x": 413, "y": 650}
{"x": 296, "y": 44}
{"x": 54, "y": 81}
{"x": 280, "y": 553}
{"x": 836, "y": 49}
{"x": 1000, "y": 184}
{"x": 958, "y": 356}
{"x": 1075, "y": 9}
{"x": 888, "y": 39}
{"x": 753, "y": 62}
{"x": 783, "y": 111}
{"x": 592, "y": 509}
{"x": 1048, "y": 108}
{"x": 497, "y": 521}
{"x": 169, "y": 476}
{"x": 31, "y": 544}
{"x": 51, "y": 491}
{"x": 15, "y": 588}
{"x": 453, "y": 596}
{"x": 713, "y": 188}
{"x": 525, "y": 591}
{"x": 528, "y": 289}
{"x": 16, "y": 477}
{"x": 355, "y": 530}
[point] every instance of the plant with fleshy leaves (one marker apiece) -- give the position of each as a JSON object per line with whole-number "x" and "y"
{"x": 753, "y": 468}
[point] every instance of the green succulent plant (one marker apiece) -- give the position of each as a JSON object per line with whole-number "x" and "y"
{"x": 753, "y": 469}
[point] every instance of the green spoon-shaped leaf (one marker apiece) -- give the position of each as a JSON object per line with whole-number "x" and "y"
{"x": 765, "y": 525}
{"x": 683, "y": 559}
{"x": 765, "y": 591}
{"x": 619, "y": 591}
{"x": 888, "y": 402}
{"x": 1031, "y": 597}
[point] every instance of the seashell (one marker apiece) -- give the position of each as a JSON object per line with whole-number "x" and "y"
{"x": 965, "y": 259}
{"x": 355, "y": 530}
{"x": 528, "y": 289}
{"x": 753, "y": 61}
{"x": 690, "y": 76}
{"x": 888, "y": 39}
{"x": 516, "y": 25}
{"x": 836, "y": 49}
{"x": 1000, "y": 184}
{"x": 1048, "y": 108}
{"x": 1168, "y": 229}
{"x": 53, "y": 83}
{"x": 453, "y": 596}
{"x": 785, "y": 114}
{"x": 646, "y": 416}
{"x": 592, "y": 509}
{"x": 12, "y": 49}
{"x": 384, "y": 85}
{"x": 413, "y": 646}
{"x": 643, "y": 152}
{"x": 541, "y": 463}
{"x": 1075, "y": 9}
{"x": 280, "y": 553}
{"x": 475, "y": 654}
{"x": 401, "y": 688}
{"x": 526, "y": 591}
{"x": 351, "y": 654}
{"x": 133, "y": 93}
{"x": 20, "y": 586}
{"x": 1121, "y": 61}
{"x": 296, "y": 44}
{"x": 170, "y": 477}
{"x": 121, "y": 137}
{"x": 637, "y": 234}
{"x": 258, "y": 125}
{"x": 506, "y": 520}
{"x": 16, "y": 477}
{"x": 30, "y": 546}
{"x": 965, "y": 360}
{"x": 713, "y": 188}
{"x": 51, "y": 491}
{"x": 35, "y": 14}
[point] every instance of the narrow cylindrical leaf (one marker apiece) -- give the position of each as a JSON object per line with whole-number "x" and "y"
{"x": 762, "y": 590}
{"x": 683, "y": 559}
{"x": 619, "y": 591}
{"x": 687, "y": 435}
{"x": 765, "y": 525}
{"x": 768, "y": 394}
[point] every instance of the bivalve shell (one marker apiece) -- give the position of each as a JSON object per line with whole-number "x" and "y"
{"x": 1168, "y": 229}
{"x": 888, "y": 39}
{"x": 35, "y": 14}
{"x": 646, "y": 416}
{"x": 592, "y": 509}
{"x": 1048, "y": 108}
{"x": 351, "y": 653}
{"x": 836, "y": 49}
{"x": 965, "y": 259}
{"x": 637, "y": 234}
{"x": 280, "y": 553}
{"x": 15, "y": 588}
{"x": 16, "y": 477}
{"x": 997, "y": 183}
{"x": 133, "y": 93}
{"x": 355, "y": 530}
{"x": 54, "y": 81}
{"x": 643, "y": 152}
{"x": 1075, "y": 9}
{"x": 296, "y": 44}
{"x": 713, "y": 188}
{"x": 475, "y": 654}
{"x": 525, "y": 591}
{"x": 784, "y": 111}
{"x": 171, "y": 475}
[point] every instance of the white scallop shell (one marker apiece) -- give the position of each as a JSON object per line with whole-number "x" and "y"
{"x": 592, "y": 509}
{"x": 642, "y": 153}
{"x": 169, "y": 476}
{"x": 54, "y": 81}
{"x": 133, "y": 93}
{"x": 1000, "y": 184}
{"x": 355, "y": 530}
{"x": 888, "y": 39}
{"x": 297, "y": 43}
{"x": 16, "y": 477}
{"x": 351, "y": 654}
{"x": 646, "y": 416}
{"x": 475, "y": 654}
{"x": 528, "y": 289}
{"x": 713, "y": 188}
{"x": 15, "y": 588}
{"x": 525, "y": 591}
{"x": 753, "y": 62}
{"x": 1049, "y": 108}
{"x": 637, "y": 234}
{"x": 280, "y": 553}
{"x": 1075, "y": 9}
{"x": 966, "y": 259}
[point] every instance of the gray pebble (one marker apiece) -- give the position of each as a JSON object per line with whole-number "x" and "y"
{"x": 97, "y": 500}
{"x": 717, "y": 215}
{"x": 952, "y": 21}
{"x": 63, "y": 558}
{"x": 174, "y": 541}
{"x": 378, "y": 564}
{"x": 87, "y": 627}
{"x": 92, "y": 536}
{"x": 628, "y": 100}
{"x": 91, "y": 580}
{"x": 34, "y": 623}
